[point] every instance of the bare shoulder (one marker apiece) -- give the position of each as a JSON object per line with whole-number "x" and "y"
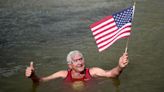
{"x": 62, "y": 73}
{"x": 58, "y": 74}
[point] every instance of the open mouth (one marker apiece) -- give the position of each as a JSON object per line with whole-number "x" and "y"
{"x": 80, "y": 67}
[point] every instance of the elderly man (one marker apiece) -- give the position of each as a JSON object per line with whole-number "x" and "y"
{"x": 77, "y": 70}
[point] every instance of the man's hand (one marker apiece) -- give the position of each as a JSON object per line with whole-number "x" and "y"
{"x": 123, "y": 61}
{"x": 29, "y": 70}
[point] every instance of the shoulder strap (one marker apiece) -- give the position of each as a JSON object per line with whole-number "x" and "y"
{"x": 69, "y": 77}
{"x": 87, "y": 74}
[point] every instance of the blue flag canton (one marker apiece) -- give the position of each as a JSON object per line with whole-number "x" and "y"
{"x": 123, "y": 17}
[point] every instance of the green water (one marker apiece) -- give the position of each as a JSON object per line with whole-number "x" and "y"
{"x": 44, "y": 31}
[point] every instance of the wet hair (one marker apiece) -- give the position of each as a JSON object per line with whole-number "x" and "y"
{"x": 71, "y": 54}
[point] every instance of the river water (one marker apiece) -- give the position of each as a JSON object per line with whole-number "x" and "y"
{"x": 44, "y": 31}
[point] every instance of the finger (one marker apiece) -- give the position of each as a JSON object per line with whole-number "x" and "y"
{"x": 125, "y": 54}
{"x": 126, "y": 63}
{"x": 125, "y": 60}
{"x": 31, "y": 64}
{"x": 28, "y": 72}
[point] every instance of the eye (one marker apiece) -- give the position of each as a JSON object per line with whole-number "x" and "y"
{"x": 76, "y": 60}
{"x": 81, "y": 59}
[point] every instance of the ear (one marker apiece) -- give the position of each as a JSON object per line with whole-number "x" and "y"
{"x": 70, "y": 66}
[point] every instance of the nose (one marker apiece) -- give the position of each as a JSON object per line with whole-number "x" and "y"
{"x": 79, "y": 61}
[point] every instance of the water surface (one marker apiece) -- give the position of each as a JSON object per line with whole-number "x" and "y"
{"x": 44, "y": 31}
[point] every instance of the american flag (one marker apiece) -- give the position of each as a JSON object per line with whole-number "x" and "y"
{"x": 112, "y": 28}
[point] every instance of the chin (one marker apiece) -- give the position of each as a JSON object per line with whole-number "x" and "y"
{"x": 81, "y": 69}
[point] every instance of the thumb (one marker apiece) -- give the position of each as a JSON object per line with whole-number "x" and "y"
{"x": 31, "y": 64}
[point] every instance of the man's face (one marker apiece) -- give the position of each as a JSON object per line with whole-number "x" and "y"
{"x": 78, "y": 63}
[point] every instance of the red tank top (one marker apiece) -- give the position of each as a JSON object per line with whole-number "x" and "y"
{"x": 86, "y": 77}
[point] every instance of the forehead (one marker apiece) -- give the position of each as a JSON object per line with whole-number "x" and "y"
{"x": 77, "y": 56}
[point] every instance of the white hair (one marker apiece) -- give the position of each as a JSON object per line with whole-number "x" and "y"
{"x": 72, "y": 54}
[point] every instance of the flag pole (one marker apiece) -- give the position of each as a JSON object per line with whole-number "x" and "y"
{"x": 127, "y": 42}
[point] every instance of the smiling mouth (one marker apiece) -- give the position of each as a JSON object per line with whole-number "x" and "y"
{"x": 81, "y": 65}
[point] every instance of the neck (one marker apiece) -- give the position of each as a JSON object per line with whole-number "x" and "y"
{"x": 76, "y": 74}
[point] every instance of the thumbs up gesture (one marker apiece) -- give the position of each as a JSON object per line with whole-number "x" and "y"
{"x": 29, "y": 70}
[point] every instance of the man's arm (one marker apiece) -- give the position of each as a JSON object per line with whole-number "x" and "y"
{"x": 123, "y": 62}
{"x": 59, "y": 74}
{"x": 30, "y": 73}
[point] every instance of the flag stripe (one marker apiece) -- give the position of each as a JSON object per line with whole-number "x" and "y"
{"x": 108, "y": 45}
{"x": 106, "y": 41}
{"x": 103, "y": 28}
{"x": 111, "y": 30}
{"x": 101, "y": 44}
{"x": 110, "y": 35}
{"x": 101, "y": 22}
